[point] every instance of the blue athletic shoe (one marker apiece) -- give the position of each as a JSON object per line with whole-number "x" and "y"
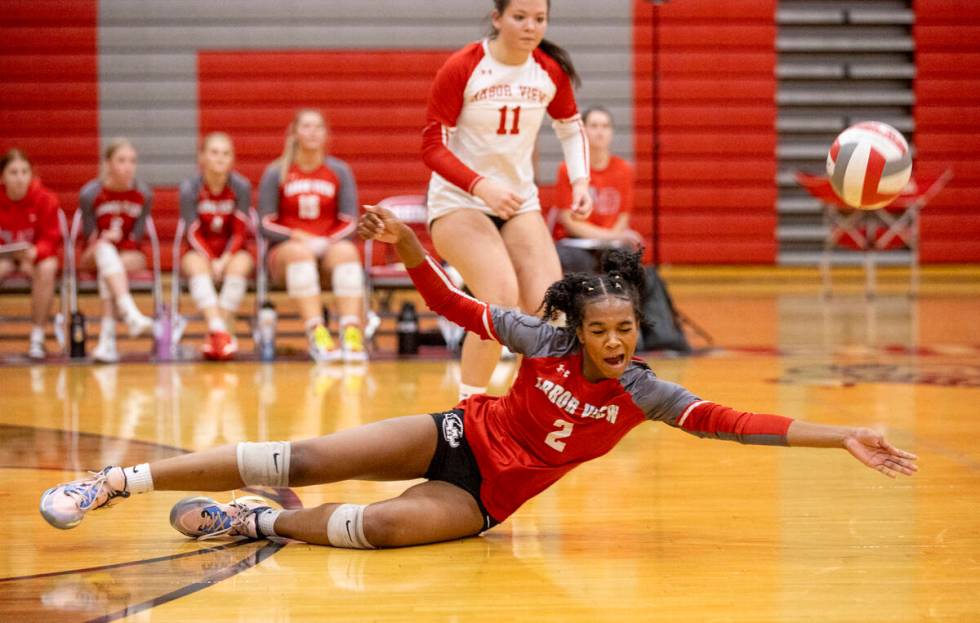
{"x": 204, "y": 518}
{"x": 65, "y": 506}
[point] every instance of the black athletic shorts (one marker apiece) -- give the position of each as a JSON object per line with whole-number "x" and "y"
{"x": 454, "y": 462}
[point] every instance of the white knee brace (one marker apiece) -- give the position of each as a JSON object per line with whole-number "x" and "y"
{"x": 202, "y": 291}
{"x": 107, "y": 259}
{"x": 302, "y": 280}
{"x": 347, "y": 280}
{"x": 345, "y": 528}
{"x": 264, "y": 463}
{"x": 232, "y": 292}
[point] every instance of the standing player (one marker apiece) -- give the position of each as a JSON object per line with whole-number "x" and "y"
{"x": 308, "y": 203}
{"x": 114, "y": 210}
{"x": 215, "y": 204}
{"x": 611, "y": 187}
{"x": 485, "y": 108}
{"x": 29, "y": 238}
{"x": 579, "y": 391}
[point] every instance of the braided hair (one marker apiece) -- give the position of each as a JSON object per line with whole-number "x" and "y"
{"x": 621, "y": 275}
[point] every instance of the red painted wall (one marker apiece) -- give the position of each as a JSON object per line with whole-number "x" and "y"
{"x": 49, "y": 106}
{"x": 947, "y": 118}
{"x": 716, "y": 118}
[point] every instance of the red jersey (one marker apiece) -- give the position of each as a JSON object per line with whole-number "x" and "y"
{"x": 611, "y": 189}
{"x": 118, "y": 216}
{"x": 322, "y": 202}
{"x": 216, "y": 222}
{"x": 33, "y": 219}
{"x": 553, "y": 418}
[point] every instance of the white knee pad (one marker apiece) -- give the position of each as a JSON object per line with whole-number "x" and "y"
{"x": 202, "y": 291}
{"x": 347, "y": 280}
{"x": 107, "y": 259}
{"x": 345, "y": 528}
{"x": 232, "y": 292}
{"x": 302, "y": 280}
{"x": 264, "y": 463}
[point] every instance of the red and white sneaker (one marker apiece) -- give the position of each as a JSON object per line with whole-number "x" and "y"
{"x": 219, "y": 346}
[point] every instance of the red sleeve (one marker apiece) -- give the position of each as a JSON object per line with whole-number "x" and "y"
{"x": 443, "y": 298}
{"x": 47, "y": 232}
{"x": 563, "y": 189}
{"x": 563, "y": 104}
{"x": 444, "y": 105}
{"x": 707, "y": 419}
{"x": 626, "y": 207}
{"x": 237, "y": 239}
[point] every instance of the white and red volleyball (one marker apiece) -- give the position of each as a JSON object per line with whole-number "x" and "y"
{"x": 869, "y": 164}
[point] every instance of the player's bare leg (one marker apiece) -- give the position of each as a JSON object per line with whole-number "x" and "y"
{"x": 293, "y": 263}
{"x": 533, "y": 254}
{"x": 343, "y": 263}
{"x": 489, "y": 274}
{"x": 42, "y": 295}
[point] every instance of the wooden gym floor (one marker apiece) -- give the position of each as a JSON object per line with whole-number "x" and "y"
{"x": 665, "y": 528}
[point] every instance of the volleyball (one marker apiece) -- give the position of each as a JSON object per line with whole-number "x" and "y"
{"x": 869, "y": 164}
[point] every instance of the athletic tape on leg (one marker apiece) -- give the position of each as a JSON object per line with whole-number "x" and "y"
{"x": 264, "y": 463}
{"x": 107, "y": 259}
{"x": 347, "y": 280}
{"x": 302, "y": 280}
{"x": 202, "y": 291}
{"x": 345, "y": 528}
{"x": 232, "y": 292}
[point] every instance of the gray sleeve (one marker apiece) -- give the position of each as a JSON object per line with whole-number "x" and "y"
{"x": 660, "y": 400}
{"x": 269, "y": 202}
{"x": 529, "y": 335}
{"x": 139, "y": 227}
{"x": 189, "y": 190}
{"x": 243, "y": 193}
{"x": 347, "y": 200}
{"x": 86, "y": 199}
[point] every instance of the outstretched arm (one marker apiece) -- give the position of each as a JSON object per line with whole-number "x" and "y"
{"x": 864, "y": 444}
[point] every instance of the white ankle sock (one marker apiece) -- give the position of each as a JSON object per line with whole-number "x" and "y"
{"x": 108, "y": 327}
{"x": 465, "y": 391}
{"x": 138, "y": 478}
{"x": 266, "y": 521}
{"x": 217, "y": 324}
{"x": 127, "y": 306}
{"x": 37, "y": 333}
{"x": 350, "y": 319}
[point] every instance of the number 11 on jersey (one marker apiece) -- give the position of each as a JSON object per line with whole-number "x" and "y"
{"x": 515, "y": 127}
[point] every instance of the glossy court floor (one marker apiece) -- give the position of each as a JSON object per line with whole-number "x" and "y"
{"x": 665, "y": 528}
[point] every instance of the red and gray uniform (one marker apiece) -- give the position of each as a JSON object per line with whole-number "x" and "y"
{"x": 118, "y": 216}
{"x": 32, "y": 219}
{"x": 553, "y": 418}
{"x": 216, "y": 222}
{"x": 322, "y": 202}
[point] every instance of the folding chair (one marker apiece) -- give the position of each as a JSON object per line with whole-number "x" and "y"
{"x": 873, "y": 232}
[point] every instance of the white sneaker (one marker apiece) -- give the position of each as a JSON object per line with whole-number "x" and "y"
{"x": 203, "y": 518}
{"x": 65, "y": 505}
{"x": 106, "y": 351}
{"x": 36, "y": 348}
{"x": 138, "y": 324}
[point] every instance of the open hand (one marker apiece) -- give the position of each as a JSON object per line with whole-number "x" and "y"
{"x": 379, "y": 224}
{"x": 871, "y": 449}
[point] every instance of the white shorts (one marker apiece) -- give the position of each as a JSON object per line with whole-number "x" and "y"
{"x": 442, "y": 201}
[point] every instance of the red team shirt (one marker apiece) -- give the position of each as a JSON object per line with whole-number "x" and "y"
{"x": 33, "y": 219}
{"x": 553, "y": 418}
{"x": 483, "y": 119}
{"x": 611, "y": 189}
{"x": 217, "y": 222}
{"x": 118, "y": 216}
{"x": 322, "y": 202}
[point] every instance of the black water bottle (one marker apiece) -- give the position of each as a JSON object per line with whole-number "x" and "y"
{"x": 76, "y": 335}
{"x": 407, "y": 330}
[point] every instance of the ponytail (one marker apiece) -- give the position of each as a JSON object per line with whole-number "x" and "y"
{"x": 563, "y": 58}
{"x": 622, "y": 276}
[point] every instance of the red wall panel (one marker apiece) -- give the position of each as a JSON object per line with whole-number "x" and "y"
{"x": 947, "y": 115}
{"x": 716, "y": 114}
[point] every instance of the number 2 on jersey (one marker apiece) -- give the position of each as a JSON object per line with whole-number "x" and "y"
{"x": 554, "y": 437}
{"x": 515, "y": 127}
